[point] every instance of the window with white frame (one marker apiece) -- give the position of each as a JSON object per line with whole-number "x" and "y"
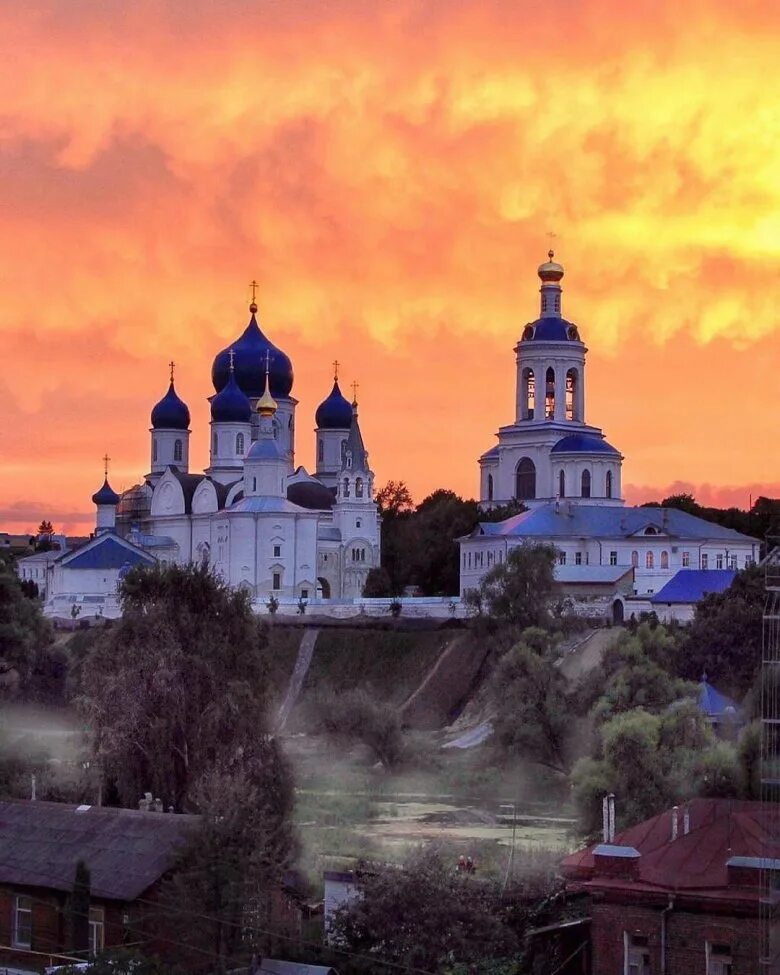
{"x": 578, "y": 558}
{"x": 97, "y": 930}
{"x": 686, "y": 559}
{"x": 561, "y": 558}
{"x": 705, "y": 560}
{"x": 22, "y": 935}
{"x": 636, "y": 954}
{"x": 718, "y": 561}
{"x": 718, "y": 958}
{"x": 613, "y": 558}
{"x": 277, "y": 551}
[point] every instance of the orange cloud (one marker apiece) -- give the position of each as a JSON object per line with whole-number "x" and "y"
{"x": 389, "y": 172}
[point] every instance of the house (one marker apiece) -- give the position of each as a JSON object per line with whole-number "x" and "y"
{"x": 682, "y": 891}
{"x": 128, "y": 853}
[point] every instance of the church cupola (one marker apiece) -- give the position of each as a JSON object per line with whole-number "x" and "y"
{"x": 355, "y": 481}
{"x": 170, "y": 433}
{"x": 266, "y": 467}
{"x": 231, "y": 430}
{"x": 333, "y": 418}
{"x": 105, "y": 500}
{"x": 550, "y": 274}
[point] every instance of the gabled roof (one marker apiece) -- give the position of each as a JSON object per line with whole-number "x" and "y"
{"x": 106, "y": 551}
{"x": 691, "y": 585}
{"x": 565, "y": 519}
{"x": 714, "y": 704}
{"x": 125, "y": 850}
{"x": 586, "y": 574}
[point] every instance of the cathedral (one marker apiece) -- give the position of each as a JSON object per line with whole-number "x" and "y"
{"x": 568, "y": 478}
{"x": 262, "y": 523}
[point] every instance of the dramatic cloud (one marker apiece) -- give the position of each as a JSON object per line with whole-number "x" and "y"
{"x": 390, "y": 173}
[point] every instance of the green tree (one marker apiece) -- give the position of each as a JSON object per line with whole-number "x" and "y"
{"x": 519, "y": 590}
{"x": 378, "y": 584}
{"x": 724, "y": 638}
{"x": 177, "y": 684}
{"x": 25, "y": 637}
{"x": 749, "y": 758}
{"x": 77, "y": 910}
{"x": 221, "y": 892}
{"x": 395, "y": 505}
{"x": 355, "y": 715}
{"x": 438, "y": 521}
{"x": 427, "y": 916}
{"x": 532, "y": 715}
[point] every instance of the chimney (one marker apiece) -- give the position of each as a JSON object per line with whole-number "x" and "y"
{"x": 33, "y": 793}
{"x": 686, "y": 820}
{"x": 674, "y": 823}
{"x": 611, "y": 802}
{"x": 608, "y": 818}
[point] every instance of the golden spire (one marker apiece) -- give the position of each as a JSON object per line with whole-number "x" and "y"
{"x": 267, "y": 405}
{"x": 232, "y": 357}
{"x": 336, "y": 365}
{"x": 355, "y": 388}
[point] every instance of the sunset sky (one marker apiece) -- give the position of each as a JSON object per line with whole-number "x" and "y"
{"x": 390, "y": 172}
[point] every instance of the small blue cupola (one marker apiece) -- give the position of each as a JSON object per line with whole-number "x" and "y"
{"x": 231, "y": 405}
{"x": 106, "y": 495}
{"x": 335, "y": 412}
{"x": 171, "y": 413}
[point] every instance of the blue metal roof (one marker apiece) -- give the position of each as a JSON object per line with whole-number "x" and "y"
{"x": 713, "y": 703}
{"x": 551, "y": 329}
{"x": 691, "y": 585}
{"x": 249, "y": 364}
{"x": 171, "y": 413}
{"x": 230, "y": 405}
{"x": 335, "y": 412}
{"x": 568, "y": 519}
{"x": 584, "y": 443}
{"x": 106, "y": 552}
{"x": 267, "y": 505}
{"x": 264, "y": 450}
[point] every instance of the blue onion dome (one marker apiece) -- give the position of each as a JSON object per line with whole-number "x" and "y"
{"x": 551, "y": 329}
{"x": 171, "y": 413}
{"x": 106, "y": 495}
{"x": 335, "y": 412}
{"x": 250, "y": 349}
{"x": 230, "y": 405}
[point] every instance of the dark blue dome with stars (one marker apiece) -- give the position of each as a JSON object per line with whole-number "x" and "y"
{"x": 250, "y": 351}
{"x": 335, "y": 412}
{"x": 171, "y": 413}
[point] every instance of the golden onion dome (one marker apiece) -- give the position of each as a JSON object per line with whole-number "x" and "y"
{"x": 550, "y": 271}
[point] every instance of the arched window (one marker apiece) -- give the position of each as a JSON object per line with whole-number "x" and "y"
{"x": 635, "y": 559}
{"x": 549, "y": 394}
{"x": 585, "y": 485}
{"x": 572, "y": 382}
{"x": 562, "y": 484}
{"x": 215, "y": 445}
{"x": 154, "y": 449}
{"x": 664, "y": 560}
{"x": 490, "y": 487}
{"x": 320, "y": 450}
{"x": 529, "y": 394}
{"x": 649, "y": 560}
{"x": 358, "y": 487}
{"x": 525, "y": 478}
{"x": 177, "y": 450}
{"x": 346, "y": 487}
{"x": 254, "y": 483}
{"x": 240, "y": 444}
{"x": 608, "y": 490}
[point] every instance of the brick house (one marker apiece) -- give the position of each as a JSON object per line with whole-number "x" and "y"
{"x": 127, "y": 851}
{"x": 679, "y": 894}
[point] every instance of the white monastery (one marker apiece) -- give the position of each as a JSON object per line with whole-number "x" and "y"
{"x": 261, "y": 522}
{"x": 568, "y": 477}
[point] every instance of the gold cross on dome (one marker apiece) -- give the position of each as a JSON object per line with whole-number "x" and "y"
{"x": 336, "y": 365}
{"x": 171, "y": 365}
{"x": 254, "y": 286}
{"x": 355, "y": 388}
{"x": 231, "y": 356}
{"x": 106, "y": 459}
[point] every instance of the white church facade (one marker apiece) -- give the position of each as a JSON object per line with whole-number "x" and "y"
{"x": 262, "y": 523}
{"x": 569, "y": 478}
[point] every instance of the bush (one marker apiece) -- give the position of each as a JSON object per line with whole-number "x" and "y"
{"x": 355, "y": 716}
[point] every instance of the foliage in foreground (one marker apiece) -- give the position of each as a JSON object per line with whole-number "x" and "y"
{"x": 519, "y": 590}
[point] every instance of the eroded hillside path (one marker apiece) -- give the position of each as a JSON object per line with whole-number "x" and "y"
{"x": 302, "y": 664}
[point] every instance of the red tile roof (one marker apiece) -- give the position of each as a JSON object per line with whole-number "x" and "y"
{"x": 697, "y": 861}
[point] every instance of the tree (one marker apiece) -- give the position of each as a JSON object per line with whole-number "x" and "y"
{"x": 394, "y": 499}
{"x": 77, "y": 910}
{"x": 724, "y": 639}
{"x": 355, "y": 716}
{"x": 426, "y": 916}
{"x": 395, "y": 505}
{"x": 221, "y": 891}
{"x": 533, "y": 720}
{"x": 520, "y": 589}
{"x": 25, "y": 636}
{"x": 438, "y": 521}
{"x": 378, "y": 584}
{"x": 178, "y": 684}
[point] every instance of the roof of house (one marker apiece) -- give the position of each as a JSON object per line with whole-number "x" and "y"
{"x": 691, "y": 585}
{"x": 106, "y": 551}
{"x": 713, "y": 703}
{"x": 589, "y": 574}
{"x": 125, "y": 850}
{"x": 565, "y": 519}
{"x": 694, "y": 862}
